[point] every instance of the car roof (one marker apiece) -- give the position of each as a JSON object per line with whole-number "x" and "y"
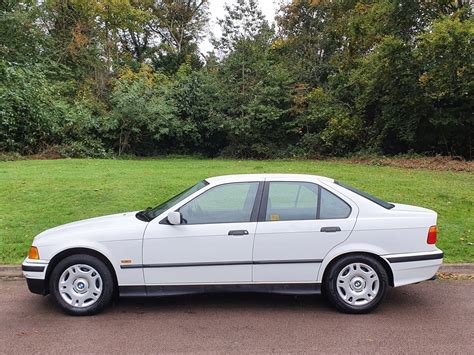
{"x": 261, "y": 177}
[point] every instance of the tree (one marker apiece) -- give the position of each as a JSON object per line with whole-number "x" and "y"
{"x": 178, "y": 25}
{"x": 326, "y": 126}
{"x": 21, "y": 38}
{"x": 309, "y": 38}
{"x": 446, "y": 55}
{"x": 29, "y": 114}
{"x": 254, "y": 88}
{"x": 243, "y": 21}
{"x": 388, "y": 98}
{"x": 199, "y": 107}
{"x": 143, "y": 112}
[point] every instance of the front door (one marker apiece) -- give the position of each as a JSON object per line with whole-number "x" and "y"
{"x": 299, "y": 224}
{"x": 212, "y": 245}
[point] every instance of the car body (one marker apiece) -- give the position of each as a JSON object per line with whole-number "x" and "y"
{"x": 283, "y": 233}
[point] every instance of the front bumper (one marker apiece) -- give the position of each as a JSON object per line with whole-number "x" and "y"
{"x": 34, "y": 272}
{"x": 34, "y": 269}
{"x": 37, "y": 286}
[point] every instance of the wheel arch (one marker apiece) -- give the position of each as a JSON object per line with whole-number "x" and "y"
{"x": 382, "y": 261}
{"x": 75, "y": 251}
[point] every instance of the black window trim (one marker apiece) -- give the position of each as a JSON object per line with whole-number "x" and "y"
{"x": 253, "y": 215}
{"x": 371, "y": 198}
{"x": 263, "y": 205}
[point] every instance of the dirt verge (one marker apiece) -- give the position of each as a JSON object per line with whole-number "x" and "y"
{"x": 429, "y": 163}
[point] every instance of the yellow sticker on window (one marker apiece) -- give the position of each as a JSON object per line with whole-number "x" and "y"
{"x": 274, "y": 217}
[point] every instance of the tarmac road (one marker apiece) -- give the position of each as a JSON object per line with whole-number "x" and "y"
{"x": 431, "y": 317}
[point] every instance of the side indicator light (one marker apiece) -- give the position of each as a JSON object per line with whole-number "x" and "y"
{"x": 432, "y": 235}
{"x": 33, "y": 253}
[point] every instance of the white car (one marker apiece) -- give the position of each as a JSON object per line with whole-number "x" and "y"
{"x": 281, "y": 233}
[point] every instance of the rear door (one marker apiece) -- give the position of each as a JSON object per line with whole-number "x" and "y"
{"x": 299, "y": 222}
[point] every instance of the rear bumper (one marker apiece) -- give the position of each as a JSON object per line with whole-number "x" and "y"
{"x": 414, "y": 267}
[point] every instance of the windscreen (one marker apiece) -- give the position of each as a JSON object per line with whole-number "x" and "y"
{"x": 154, "y": 212}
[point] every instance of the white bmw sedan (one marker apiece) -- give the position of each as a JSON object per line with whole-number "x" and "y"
{"x": 293, "y": 234}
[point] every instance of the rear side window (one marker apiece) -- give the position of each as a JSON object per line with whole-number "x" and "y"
{"x": 289, "y": 201}
{"x": 332, "y": 207}
{"x": 369, "y": 197}
{"x": 297, "y": 201}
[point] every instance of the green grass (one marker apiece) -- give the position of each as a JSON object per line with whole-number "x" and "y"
{"x": 40, "y": 194}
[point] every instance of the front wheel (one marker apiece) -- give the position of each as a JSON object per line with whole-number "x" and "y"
{"x": 356, "y": 284}
{"x": 81, "y": 285}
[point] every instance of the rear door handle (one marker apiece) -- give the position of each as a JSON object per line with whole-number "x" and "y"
{"x": 239, "y": 232}
{"x": 330, "y": 229}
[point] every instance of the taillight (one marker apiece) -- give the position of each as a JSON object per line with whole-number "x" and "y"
{"x": 431, "y": 235}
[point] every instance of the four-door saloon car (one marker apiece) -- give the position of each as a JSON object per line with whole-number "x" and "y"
{"x": 245, "y": 233}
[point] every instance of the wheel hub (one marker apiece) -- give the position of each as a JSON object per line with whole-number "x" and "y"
{"x": 80, "y": 285}
{"x": 358, "y": 284}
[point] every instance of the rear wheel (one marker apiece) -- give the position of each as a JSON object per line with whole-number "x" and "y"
{"x": 356, "y": 284}
{"x": 81, "y": 285}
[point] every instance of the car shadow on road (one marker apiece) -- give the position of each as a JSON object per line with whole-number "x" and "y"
{"x": 406, "y": 297}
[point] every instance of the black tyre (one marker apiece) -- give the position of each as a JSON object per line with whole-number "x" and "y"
{"x": 81, "y": 285}
{"x": 356, "y": 284}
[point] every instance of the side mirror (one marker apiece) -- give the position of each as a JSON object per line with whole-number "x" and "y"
{"x": 174, "y": 218}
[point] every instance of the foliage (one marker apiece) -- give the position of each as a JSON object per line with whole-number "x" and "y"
{"x": 326, "y": 126}
{"x": 446, "y": 54}
{"x": 142, "y": 111}
{"x": 332, "y": 78}
{"x": 243, "y": 21}
{"x": 388, "y": 97}
{"x": 198, "y": 102}
{"x": 254, "y": 99}
{"x": 29, "y": 110}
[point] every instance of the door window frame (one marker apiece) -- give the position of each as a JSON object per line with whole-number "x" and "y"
{"x": 264, "y": 203}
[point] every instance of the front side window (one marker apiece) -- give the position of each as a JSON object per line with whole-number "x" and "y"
{"x": 229, "y": 203}
{"x": 289, "y": 201}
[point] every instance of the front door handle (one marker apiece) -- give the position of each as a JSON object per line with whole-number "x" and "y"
{"x": 330, "y": 229}
{"x": 239, "y": 232}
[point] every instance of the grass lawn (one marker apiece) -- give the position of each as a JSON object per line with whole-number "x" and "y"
{"x": 39, "y": 194}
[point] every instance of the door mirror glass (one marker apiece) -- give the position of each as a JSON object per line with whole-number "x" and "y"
{"x": 174, "y": 218}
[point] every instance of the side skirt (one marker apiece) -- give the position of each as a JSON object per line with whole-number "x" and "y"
{"x": 174, "y": 290}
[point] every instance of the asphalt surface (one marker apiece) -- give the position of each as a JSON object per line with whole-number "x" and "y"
{"x": 431, "y": 317}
